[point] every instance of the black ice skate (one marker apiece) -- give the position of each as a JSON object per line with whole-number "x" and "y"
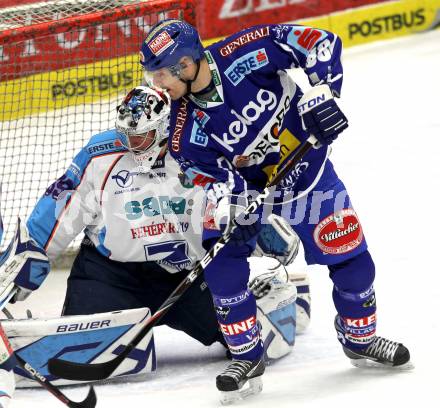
{"x": 238, "y": 374}
{"x": 380, "y": 352}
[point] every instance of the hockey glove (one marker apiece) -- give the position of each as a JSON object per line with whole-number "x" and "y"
{"x": 320, "y": 115}
{"x": 24, "y": 266}
{"x": 248, "y": 227}
{"x": 277, "y": 240}
{"x": 265, "y": 282}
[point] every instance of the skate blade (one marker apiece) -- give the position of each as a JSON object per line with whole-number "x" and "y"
{"x": 365, "y": 363}
{"x": 255, "y": 386}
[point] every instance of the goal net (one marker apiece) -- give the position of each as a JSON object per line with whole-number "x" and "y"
{"x": 64, "y": 65}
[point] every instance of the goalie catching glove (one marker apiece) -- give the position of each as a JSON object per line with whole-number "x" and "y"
{"x": 23, "y": 266}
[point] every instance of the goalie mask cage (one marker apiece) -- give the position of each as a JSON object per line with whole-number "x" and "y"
{"x": 64, "y": 66}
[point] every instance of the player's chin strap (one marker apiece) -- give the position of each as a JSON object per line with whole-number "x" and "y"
{"x": 99, "y": 371}
{"x": 189, "y": 82}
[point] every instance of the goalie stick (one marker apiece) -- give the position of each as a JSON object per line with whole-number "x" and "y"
{"x": 94, "y": 372}
{"x": 88, "y": 402}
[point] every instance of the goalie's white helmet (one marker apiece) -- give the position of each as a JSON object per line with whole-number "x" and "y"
{"x": 142, "y": 124}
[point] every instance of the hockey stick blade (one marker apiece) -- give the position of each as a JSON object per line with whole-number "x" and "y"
{"x": 88, "y": 402}
{"x": 83, "y": 371}
{"x": 99, "y": 371}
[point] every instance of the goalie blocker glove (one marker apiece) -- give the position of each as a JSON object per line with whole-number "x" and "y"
{"x": 23, "y": 266}
{"x": 277, "y": 240}
{"x": 320, "y": 115}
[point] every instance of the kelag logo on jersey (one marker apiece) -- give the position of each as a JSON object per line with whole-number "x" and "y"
{"x": 265, "y": 101}
{"x": 243, "y": 66}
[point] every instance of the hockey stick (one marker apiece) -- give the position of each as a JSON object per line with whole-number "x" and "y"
{"x": 94, "y": 372}
{"x": 89, "y": 402}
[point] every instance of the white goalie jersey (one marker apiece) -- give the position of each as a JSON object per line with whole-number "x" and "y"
{"x": 127, "y": 214}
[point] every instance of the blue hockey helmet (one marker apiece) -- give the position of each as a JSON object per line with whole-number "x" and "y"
{"x": 167, "y": 42}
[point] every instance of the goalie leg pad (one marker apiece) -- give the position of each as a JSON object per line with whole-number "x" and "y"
{"x": 303, "y": 300}
{"x": 95, "y": 339}
{"x": 277, "y": 315}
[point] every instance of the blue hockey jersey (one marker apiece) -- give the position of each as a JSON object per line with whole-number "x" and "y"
{"x": 236, "y": 139}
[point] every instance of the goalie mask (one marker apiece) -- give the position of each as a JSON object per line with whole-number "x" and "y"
{"x": 142, "y": 124}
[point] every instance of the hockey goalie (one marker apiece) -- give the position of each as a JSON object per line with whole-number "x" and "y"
{"x": 141, "y": 219}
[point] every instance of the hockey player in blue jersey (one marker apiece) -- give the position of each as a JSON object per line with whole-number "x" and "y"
{"x": 236, "y": 117}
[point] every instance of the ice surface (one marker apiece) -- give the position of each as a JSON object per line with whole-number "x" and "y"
{"x": 389, "y": 160}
